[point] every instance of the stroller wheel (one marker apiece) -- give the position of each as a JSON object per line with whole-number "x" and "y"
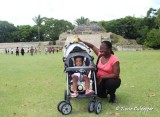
{"x": 98, "y": 107}
{"x": 60, "y": 104}
{"x": 91, "y": 106}
{"x": 66, "y": 109}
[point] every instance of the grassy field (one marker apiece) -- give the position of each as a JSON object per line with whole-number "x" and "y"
{"x": 31, "y": 86}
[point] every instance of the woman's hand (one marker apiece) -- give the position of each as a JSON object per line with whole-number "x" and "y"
{"x": 94, "y": 48}
{"x": 79, "y": 40}
{"x": 99, "y": 81}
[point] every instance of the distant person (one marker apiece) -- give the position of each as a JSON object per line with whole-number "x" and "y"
{"x": 57, "y": 50}
{"x": 22, "y": 51}
{"x": 6, "y": 51}
{"x": 35, "y": 50}
{"x": 28, "y": 50}
{"x": 53, "y": 50}
{"x": 17, "y": 51}
{"x": 31, "y": 51}
{"x": 49, "y": 49}
{"x": 11, "y": 50}
{"x": 39, "y": 50}
{"x": 46, "y": 50}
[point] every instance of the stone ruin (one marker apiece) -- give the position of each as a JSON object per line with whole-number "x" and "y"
{"x": 88, "y": 29}
{"x": 92, "y": 33}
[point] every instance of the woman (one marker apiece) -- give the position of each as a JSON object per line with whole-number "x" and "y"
{"x": 17, "y": 51}
{"x": 108, "y": 79}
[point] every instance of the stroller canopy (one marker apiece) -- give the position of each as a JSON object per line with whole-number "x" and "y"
{"x": 76, "y": 47}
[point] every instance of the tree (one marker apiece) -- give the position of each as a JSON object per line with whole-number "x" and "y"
{"x": 149, "y": 20}
{"x": 54, "y": 27}
{"x": 82, "y": 20}
{"x": 157, "y": 20}
{"x": 153, "y": 38}
{"x": 127, "y": 27}
{"x": 143, "y": 35}
{"x": 38, "y": 20}
{"x": 151, "y": 13}
{"x": 6, "y": 30}
{"x": 23, "y": 33}
{"x": 34, "y": 36}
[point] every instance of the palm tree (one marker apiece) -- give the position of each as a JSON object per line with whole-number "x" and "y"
{"x": 151, "y": 12}
{"x": 38, "y": 20}
{"x": 82, "y": 20}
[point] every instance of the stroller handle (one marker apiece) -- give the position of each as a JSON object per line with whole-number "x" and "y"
{"x": 80, "y": 69}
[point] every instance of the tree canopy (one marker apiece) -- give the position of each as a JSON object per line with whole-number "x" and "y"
{"x": 6, "y": 30}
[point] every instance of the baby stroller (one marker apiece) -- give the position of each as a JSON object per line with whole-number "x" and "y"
{"x": 70, "y": 51}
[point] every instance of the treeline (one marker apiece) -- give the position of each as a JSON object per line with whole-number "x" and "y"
{"x": 46, "y": 29}
{"x": 145, "y": 30}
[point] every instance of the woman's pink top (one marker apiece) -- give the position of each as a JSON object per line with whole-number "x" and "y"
{"x": 107, "y": 68}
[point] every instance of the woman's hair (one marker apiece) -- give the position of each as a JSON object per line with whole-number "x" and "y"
{"x": 109, "y": 45}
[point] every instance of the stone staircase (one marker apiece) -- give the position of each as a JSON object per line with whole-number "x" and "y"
{"x": 95, "y": 39}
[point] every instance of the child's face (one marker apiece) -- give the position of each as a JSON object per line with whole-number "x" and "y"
{"x": 78, "y": 61}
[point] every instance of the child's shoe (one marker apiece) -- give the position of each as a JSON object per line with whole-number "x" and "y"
{"x": 75, "y": 94}
{"x": 89, "y": 92}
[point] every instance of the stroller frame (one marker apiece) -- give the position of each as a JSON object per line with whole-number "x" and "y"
{"x": 65, "y": 106}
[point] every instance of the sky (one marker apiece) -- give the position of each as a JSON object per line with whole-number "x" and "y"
{"x": 22, "y": 12}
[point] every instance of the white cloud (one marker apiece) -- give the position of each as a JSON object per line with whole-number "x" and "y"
{"x": 21, "y": 12}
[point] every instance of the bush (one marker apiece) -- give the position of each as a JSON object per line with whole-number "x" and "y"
{"x": 116, "y": 38}
{"x": 153, "y": 39}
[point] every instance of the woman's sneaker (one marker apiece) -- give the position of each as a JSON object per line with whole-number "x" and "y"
{"x": 89, "y": 92}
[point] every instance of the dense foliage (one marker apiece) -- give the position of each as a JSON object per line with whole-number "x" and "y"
{"x": 47, "y": 29}
{"x": 6, "y": 30}
{"x": 144, "y": 30}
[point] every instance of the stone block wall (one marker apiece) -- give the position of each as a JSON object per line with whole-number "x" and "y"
{"x": 24, "y": 45}
{"x": 130, "y": 48}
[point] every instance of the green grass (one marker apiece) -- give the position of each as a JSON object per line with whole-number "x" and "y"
{"x": 31, "y": 86}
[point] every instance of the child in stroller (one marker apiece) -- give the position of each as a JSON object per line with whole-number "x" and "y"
{"x": 76, "y": 76}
